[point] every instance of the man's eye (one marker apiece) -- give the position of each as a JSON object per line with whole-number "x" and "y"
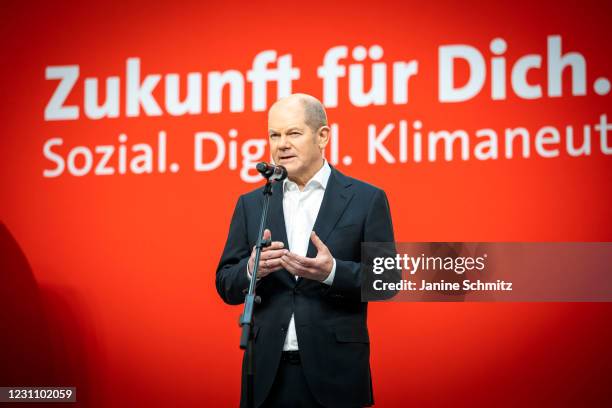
{"x": 294, "y": 133}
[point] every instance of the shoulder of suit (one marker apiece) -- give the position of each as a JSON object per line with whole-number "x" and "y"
{"x": 361, "y": 186}
{"x": 255, "y": 194}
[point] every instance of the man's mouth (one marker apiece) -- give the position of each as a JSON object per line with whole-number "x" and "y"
{"x": 286, "y": 158}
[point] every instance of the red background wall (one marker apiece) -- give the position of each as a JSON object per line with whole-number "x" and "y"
{"x": 109, "y": 280}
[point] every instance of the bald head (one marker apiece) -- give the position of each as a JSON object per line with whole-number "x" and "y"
{"x": 314, "y": 112}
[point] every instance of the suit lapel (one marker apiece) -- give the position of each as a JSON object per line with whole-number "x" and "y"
{"x": 335, "y": 200}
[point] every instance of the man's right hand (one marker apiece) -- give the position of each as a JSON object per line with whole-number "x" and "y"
{"x": 269, "y": 260}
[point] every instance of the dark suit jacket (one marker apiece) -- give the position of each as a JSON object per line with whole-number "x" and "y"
{"x": 331, "y": 321}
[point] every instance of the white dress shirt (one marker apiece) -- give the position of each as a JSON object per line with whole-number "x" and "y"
{"x": 301, "y": 209}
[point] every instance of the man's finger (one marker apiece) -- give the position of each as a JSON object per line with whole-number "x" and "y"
{"x": 302, "y": 260}
{"x": 292, "y": 266}
{"x": 272, "y": 254}
{"x": 317, "y": 241}
{"x": 274, "y": 245}
{"x": 271, "y": 263}
{"x": 289, "y": 267}
{"x": 267, "y": 234}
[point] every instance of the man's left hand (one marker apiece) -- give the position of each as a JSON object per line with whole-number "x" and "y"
{"x": 317, "y": 268}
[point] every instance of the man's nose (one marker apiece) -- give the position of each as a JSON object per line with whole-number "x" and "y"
{"x": 283, "y": 143}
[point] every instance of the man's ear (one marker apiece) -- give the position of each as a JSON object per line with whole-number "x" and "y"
{"x": 323, "y": 135}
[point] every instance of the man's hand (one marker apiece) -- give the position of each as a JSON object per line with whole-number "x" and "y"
{"x": 269, "y": 259}
{"x": 317, "y": 268}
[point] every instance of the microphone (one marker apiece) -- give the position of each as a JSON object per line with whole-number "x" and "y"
{"x": 271, "y": 171}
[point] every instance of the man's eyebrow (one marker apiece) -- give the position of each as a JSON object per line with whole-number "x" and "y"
{"x": 290, "y": 129}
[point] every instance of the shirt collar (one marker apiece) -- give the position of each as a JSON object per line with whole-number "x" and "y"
{"x": 320, "y": 178}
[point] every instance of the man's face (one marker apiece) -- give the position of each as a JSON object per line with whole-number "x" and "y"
{"x": 292, "y": 143}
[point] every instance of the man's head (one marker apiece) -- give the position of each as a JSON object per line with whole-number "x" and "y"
{"x": 298, "y": 131}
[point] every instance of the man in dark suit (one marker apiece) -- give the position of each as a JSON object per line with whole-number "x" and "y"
{"x": 311, "y": 341}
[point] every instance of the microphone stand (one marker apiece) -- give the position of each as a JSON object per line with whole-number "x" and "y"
{"x": 246, "y": 319}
